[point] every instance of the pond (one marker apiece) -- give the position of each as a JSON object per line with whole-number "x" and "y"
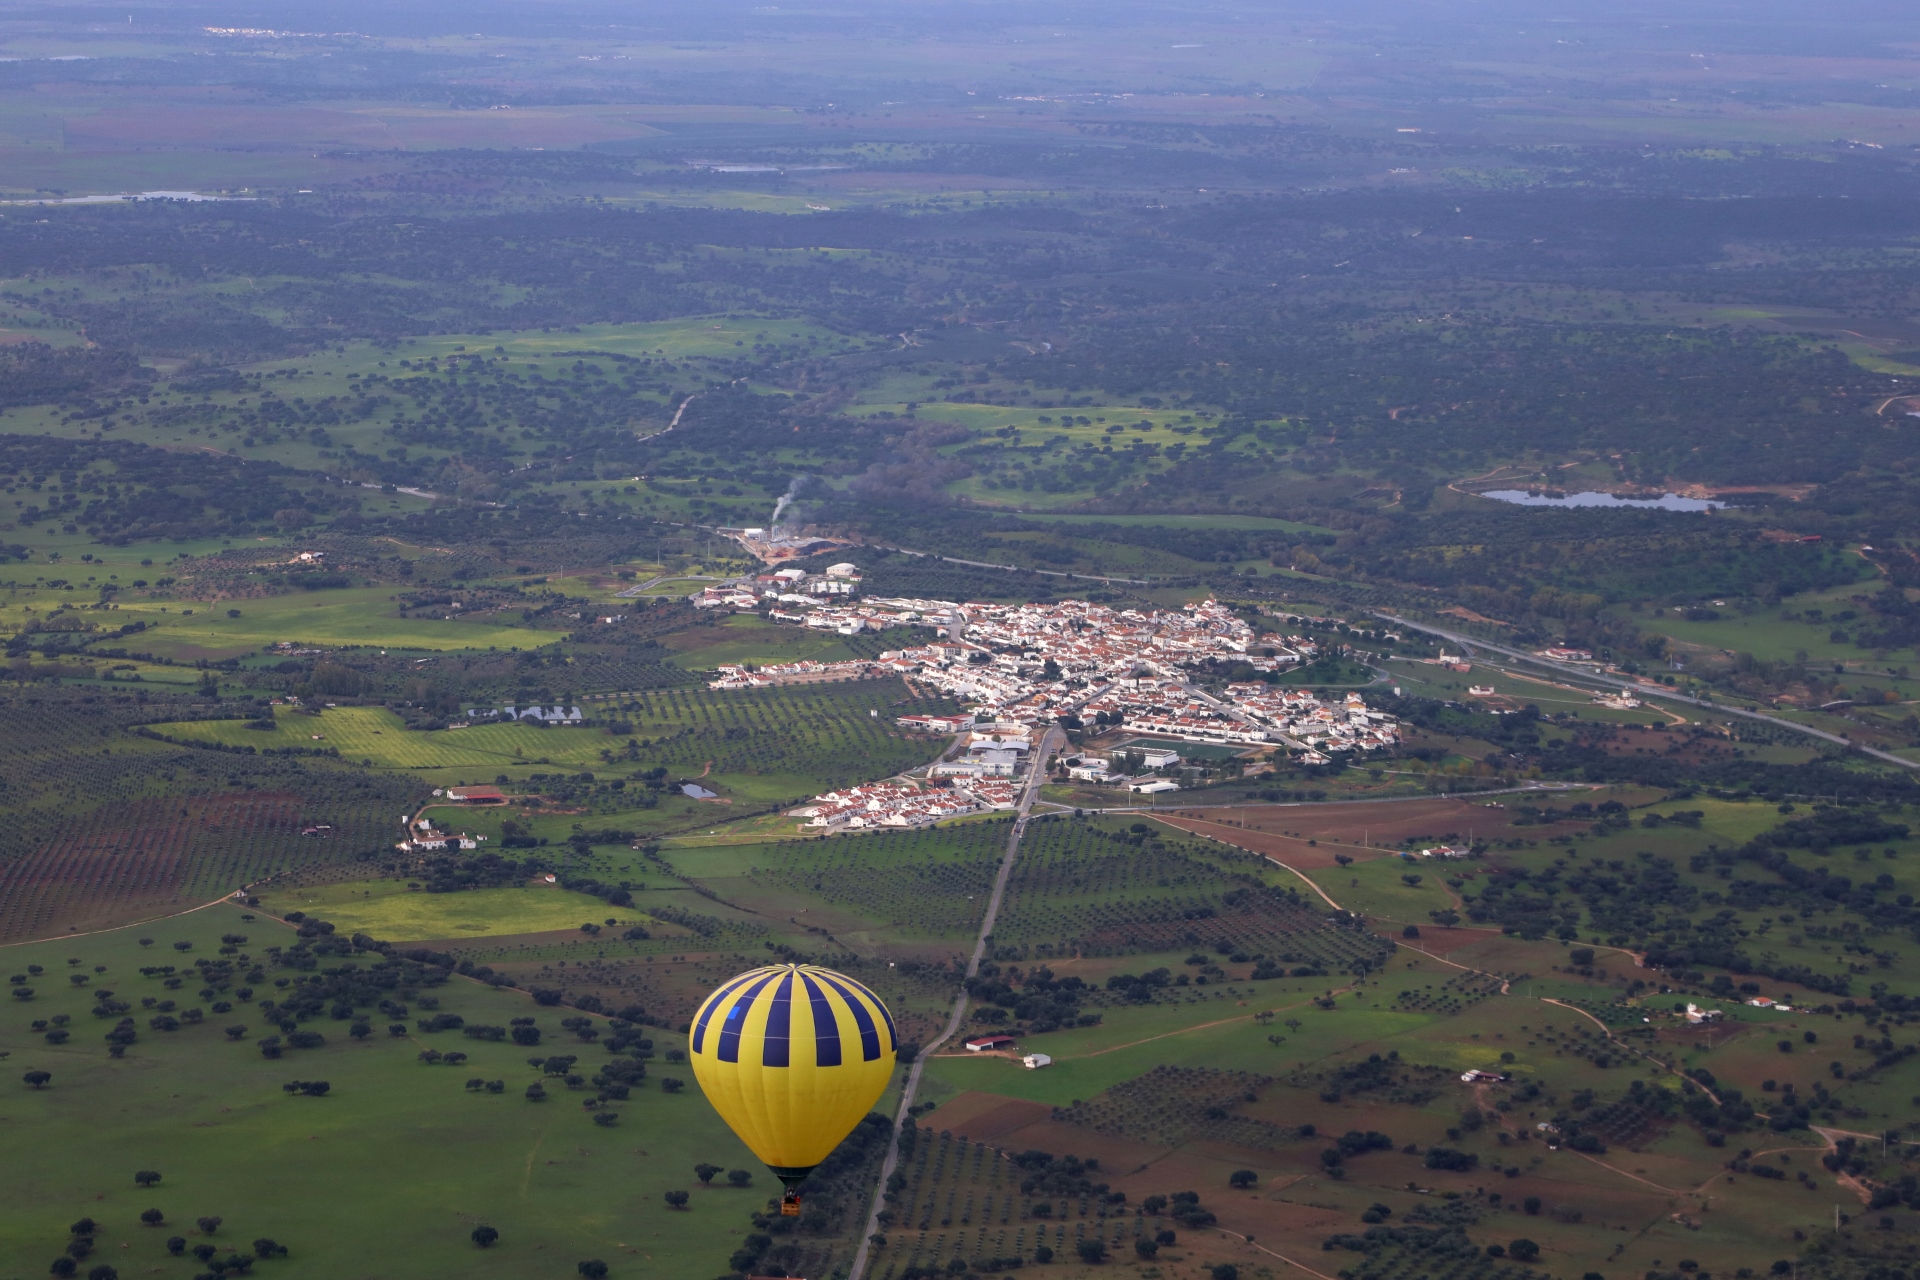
{"x": 1593, "y": 498}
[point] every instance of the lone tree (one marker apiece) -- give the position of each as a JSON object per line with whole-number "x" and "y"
{"x": 207, "y": 1225}
{"x": 152, "y": 1217}
{"x": 740, "y": 1177}
{"x": 485, "y": 1236}
{"x": 705, "y": 1172}
{"x": 37, "y": 1079}
{"x": 63, "y": 1266}
{"x": 1092, "y": 1249}
{"x": 145, "y": 1178}
{"x": 592, "y": 1269}
{"x": 1243, "y": 1178}
{"x": 1523, "y": 1250}
{"x": 675, "y": 1199}
{"x": 103, "y": 1272}
{"x": 176, "y": 1245}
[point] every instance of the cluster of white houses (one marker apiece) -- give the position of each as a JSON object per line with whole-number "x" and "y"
{"x": 424, "y": 837}
{"x": 789, "y": 592}
{"x": 904, "y": 804}
{"x": 1032, "y": 664}
{"x": 1022, "y": 668}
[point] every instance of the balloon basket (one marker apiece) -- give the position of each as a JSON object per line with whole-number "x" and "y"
{"x": 790, "y": 1205}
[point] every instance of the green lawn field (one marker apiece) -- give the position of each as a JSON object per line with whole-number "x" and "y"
{"x": 837, "y": 742}
{"x": 386, "y": 1175}
{"x": 388, "y": 910}
{"x": 1379, "y": 888}
{"x": 353, "y": 730}
{"x": 357, "y": 616}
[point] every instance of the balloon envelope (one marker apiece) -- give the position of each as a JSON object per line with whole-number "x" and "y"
{"x": 792, "y": 1056}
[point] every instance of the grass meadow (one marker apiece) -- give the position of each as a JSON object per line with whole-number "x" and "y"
{"x": 386, "y": 1174}
{"x": 1379, "y": 888}
{"x": 392, "y": 912}
{"x": 752, "y": 747}
{"x": 352, "y": 617}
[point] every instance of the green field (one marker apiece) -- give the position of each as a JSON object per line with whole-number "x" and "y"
{"x": 358, "y": 617}
{"x": 392, "y": 912}
{"x": 346, "y": 1181}
{"x": 1378, "y": 888}
{"x": 750, "y": 746}
{"x": 352, "y": 730}
{"x": 748, "y": 638}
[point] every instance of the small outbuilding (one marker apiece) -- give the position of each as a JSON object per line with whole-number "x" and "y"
{"x": 984, "y": 1044}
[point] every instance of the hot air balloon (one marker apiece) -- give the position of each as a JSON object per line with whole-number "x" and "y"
{"x": 792, "y": 1056}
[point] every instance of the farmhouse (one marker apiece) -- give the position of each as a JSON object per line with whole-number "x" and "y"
{"x": 983, "y": 1044}
{"x": 476, "y": 795}
{"x": 542, "y": 715}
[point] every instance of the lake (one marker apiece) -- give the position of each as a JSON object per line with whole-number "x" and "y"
{"x": 1591, "y": 498}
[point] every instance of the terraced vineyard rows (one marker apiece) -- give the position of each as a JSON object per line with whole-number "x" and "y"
{"x": 973, "y": 1204}
{"x": 1169, "y": 1106}
{"x": 932, "y": 882}
{"x": 1081, "y": 887}
{"x": 104, "y": 826}
{"x": 836, "y": 735}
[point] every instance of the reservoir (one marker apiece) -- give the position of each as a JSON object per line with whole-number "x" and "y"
{"x": 1592, "y": 498}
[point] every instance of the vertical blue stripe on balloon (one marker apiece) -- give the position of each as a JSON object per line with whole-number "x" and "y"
{"x": 826, "y": 1027}
{"x": 869, "y": 1034}
{"x": 774, "y": 1052}
{"x": 728, "y": 1050}
{"x": 713, "y": 1004}
{"x": 879, "y": 1004}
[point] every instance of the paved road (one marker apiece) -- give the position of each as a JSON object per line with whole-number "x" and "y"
{"x": 1054, "y": 740}
{"x": 1644, "y": 691}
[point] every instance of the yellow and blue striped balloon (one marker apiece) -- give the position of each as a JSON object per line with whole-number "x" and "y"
{"x": 791, "y": 1056}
